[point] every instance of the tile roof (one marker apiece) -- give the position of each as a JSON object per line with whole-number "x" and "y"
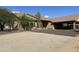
{"x": 65, "y": 18}
{"x": 32, "y": 16}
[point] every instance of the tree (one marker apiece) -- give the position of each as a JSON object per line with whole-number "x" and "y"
{"x": 7, "y": 17}
{"x": 38, "y": 16}
{"x": 26, "y": 22}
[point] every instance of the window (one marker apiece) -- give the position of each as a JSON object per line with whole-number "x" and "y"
{"x": 65, "y": 24}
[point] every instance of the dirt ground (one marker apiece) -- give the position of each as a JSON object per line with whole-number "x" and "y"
{"x": 38, "y": 42}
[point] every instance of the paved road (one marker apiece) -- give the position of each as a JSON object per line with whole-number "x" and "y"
{"x": 32, "y": 41}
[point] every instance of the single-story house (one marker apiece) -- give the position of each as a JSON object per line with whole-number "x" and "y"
{"x": 66, "y": 22}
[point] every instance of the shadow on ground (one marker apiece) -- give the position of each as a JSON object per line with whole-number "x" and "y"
{"x": 8, "y": 32}
{"x": 59, "y": 32}
{"x": 56, "y": 32}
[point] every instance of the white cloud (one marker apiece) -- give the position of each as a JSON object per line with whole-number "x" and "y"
{"x": 16, "y": 11}
{"x": 46, "y": 16}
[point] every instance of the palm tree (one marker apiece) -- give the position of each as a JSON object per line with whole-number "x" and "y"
{"x": 7, "y": 17}
{"x": 38, "y": 16}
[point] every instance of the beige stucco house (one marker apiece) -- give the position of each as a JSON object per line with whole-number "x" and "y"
{"x": 66, "y": 22}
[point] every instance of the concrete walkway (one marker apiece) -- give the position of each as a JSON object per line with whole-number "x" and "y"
{"x": 32, "y": 41}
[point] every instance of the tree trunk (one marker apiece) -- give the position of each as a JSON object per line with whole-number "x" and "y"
{"x": 2, "y": 27}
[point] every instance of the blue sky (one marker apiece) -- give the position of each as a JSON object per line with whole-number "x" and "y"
{"x": 51, "y": 11}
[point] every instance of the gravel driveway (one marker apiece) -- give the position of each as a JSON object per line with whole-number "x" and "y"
{"x": 32, "y": 41}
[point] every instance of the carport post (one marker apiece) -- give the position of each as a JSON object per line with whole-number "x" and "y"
{"x": 74, "y": 25}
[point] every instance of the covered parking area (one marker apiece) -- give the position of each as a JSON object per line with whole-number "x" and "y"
{"x": 64, "y": 25}
{"x": 66, "y": 22}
